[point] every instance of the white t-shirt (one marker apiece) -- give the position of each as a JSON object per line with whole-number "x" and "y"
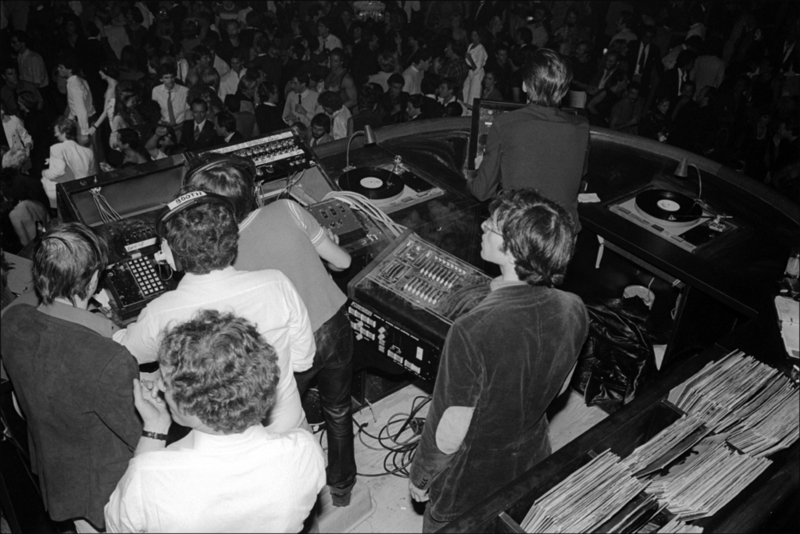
{"x": 255, "y": 481}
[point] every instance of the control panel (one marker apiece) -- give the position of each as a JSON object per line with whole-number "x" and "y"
{"x": 133, "y": 284}
{"x": 405, "y": 301}
{"x": 276, "y": 155}
{"x": 339, "y": 218}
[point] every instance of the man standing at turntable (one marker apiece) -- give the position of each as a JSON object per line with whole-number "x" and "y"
{"x": 538, "y": 146}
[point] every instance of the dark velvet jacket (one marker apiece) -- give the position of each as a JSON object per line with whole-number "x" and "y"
{"x": 507, "y": 359}
{"x": 75, "y": 388}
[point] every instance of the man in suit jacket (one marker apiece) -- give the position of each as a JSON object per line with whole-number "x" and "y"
{"x": 644, "y": 58}
{"x": 199, "y": 133}
{"x": 537, "y": 146}
{"x": 73, "y": 382}
{"x": 673, "y": 79}
{"x": 226, "y": 129}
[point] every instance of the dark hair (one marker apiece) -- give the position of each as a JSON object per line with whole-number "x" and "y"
{"x": 219, "y": 368}
{"x": 321, "y": 119}
{"x": 70, "y": 61}
{"x": 547, "y": 77}
{"x": 67, "y": 126}
{"x": 416, "y": 100}
{"x": 266, "y": 90}
{"x": 538, "y": 233}
{"x": 459, "y": 48}
{"x": 302, "y": 76}
{"x": 199, "y": 51}
{"x": 635, "y": 85}
{"x": 453, "y": 109}
{"x": 525, "y": 35}
{"x": 228, "y": 181}
{"x": 199, "y": 101}
{"x": 368, "y": 96}
{"x": 130, "y": 137}
{"x": 684, "y": 58}
{"x": 330, "y": 99}
{"x": 423, "y": 54}
{"x": 616, "y": 77}
{"x": 263, "y": 43}
{"x": 396, "y": 78}
{"x": 227, "y": 121}
{"x": 233, "y": 103}
{"x": 110, "y": 69}
{"x": 21, "y": 36}
{"x": 204, "y": 237}
{"x": 451, "y": 84}
{"x": 65, "y": 260}
{"x": 7, "y": 66}
{"x": 338, "y": 52}
{"x": 167, "y": 68}
{"x": 627, "y": 19}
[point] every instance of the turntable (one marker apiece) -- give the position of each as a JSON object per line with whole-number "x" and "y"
{"x": 390, "y": 187}
{"x": 676, "y": 217}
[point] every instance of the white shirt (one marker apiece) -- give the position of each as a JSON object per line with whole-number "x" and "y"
{"x": 221, "y": 66}
{"x": 266, "y": 298}
{"x": 68, "y": 161}
{"x": 413, "y": 80}
{"x": 79, "y": 102}
{"x": 179, "y": 106}
{"x": 255, "y": 481}
{"x": 16, "y": 134}
{"x": 339, "y": 123}
{"x": 229, "y": 84}
{"x": 308, "y": 99}
{"x": 329, "y": 43}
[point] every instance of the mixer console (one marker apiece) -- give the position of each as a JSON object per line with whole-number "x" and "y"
{"x": 276, "y": 156}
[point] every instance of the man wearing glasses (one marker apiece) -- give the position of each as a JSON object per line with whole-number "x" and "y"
{"x": 503, "y": 362}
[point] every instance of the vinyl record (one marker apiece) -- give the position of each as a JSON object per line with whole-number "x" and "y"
{"x": 668, "y": 206}
{"x": 372, "y": 182}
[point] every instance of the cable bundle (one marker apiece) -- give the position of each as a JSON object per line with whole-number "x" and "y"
{"x": 107, "y": 213}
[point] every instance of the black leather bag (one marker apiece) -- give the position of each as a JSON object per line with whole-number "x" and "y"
{"x": 617, "y": 358}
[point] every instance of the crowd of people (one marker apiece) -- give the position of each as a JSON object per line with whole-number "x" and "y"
{"x": 90, "y": 86}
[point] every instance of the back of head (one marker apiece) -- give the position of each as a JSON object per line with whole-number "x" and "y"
{"x": 229, "y": 181}
{"x": 547, "y": 77}
{"x": 331, "y": 100}
{"x": 65, "y": 261}
{"x": 227, "y": 121}
{"x": 538, "y": 232}
{"x": 204, "y": 237}
{"x": 233, "y": 103}
{"x": 217, "y": 367}
{"x": 67, "y": 126}
{"x": 396, "y": 79}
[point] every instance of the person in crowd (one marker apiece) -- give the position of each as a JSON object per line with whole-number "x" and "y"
{"x": 284, "y": 236}
{"x": 171, "y": 97}
{"x": 219, "y": 377}
{"x": 656, "y": 122}
{"x": 673, "y": 79}
{"x": 539, "y": 26}
{"x": 610, "y": 65}
{"x": 36, "y": 123}
{"x": 320, "y": 129}
{"x": 709, "y": 68}
{"x": 79, "y": 98}
{"x": 368, "y": 112}
{"x": 456, "y": 31}
{"x": 60, "y": 350}
{"x": 454, "y": 65}
{"x": 785, "y": 148}
{"x": 199, "y": 133}
{"x": 414, "y": 107}
{"x": 226, "y": 129}
{"x": 625, "y": 28}
{"x": 109, "y": 73}
{"x": 644, "y": 63}
{"x": 13, "y": 86}
{"x": 162, "y": 142}
{"x": 475, "y": 57}
{"x": 131, "y": 146}
{"x": 627, "y": 112}
{"x": 599, "y": 106}
{"x": 229, "y": 83}
{"x": 394, "y": 100}
{"x": 16, "y": 136}
{"x": 268, "y": 114}
{"x": 231, "y": 44}
{"x": 245, "y": 121}
{"x": 23, "y": 203}
{"x": 327, "y": 41}
{"x": 301, "y": 102}
{"x": 584, "y": 70}
{"x": 537, "y": 146}
{"x": 203, "y": 238}
{"x": 686, "y": 128}
{"x": 487, "y": 422}
{"x": 339, "y": 79}
{"x": 570, "y": 34}
{"x": 419, "y": 63}
{"x": 331, "y": 103}
{"x": 31, "y": 65}
{"x": 68, "y": 159}
{"x": 490, "y": 90}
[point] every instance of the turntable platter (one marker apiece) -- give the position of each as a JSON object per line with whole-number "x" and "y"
{"x": 668, "y": 208}
{"x": 372, "y": 182}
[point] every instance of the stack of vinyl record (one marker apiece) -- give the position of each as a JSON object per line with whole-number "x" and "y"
{"x": 668, "y": 445}
{"x": 756, "y": 405}
{"x": 707, "y": 480}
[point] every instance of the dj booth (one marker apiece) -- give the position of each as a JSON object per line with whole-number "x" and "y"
{"x": 711, "y": 246}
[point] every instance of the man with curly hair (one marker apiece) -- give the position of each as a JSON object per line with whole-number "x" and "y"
{"x": 503, "y": 362}
{"x": 204, "y": 240}
{"x": 219, "y": 378}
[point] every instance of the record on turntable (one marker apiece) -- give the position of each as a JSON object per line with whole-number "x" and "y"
{"x": 376, "y": 184}
{"x": 668, "y": 208}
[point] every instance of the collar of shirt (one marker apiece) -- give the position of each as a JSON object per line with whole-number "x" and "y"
{"x": 202, "y": 440}
{"x": 228, "y": 137}
{"x": 211, "y": 278}
{"x": 199, "y": 125}
{"x": 98, "y": 323}
{"x": 499, "y": 283}
{"x": 73, "y": 79}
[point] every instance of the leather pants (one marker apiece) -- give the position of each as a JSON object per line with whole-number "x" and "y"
{"x": 333, "y": 367}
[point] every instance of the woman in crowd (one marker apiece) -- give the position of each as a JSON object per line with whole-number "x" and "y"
{"x": 490, "y": 90}
{"x": 132, "y": 149}
{"x": 476, "y": 59}
{"x": 68, "y": 159}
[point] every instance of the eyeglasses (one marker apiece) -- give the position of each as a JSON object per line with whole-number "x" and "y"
{"x": 488, "y": 225}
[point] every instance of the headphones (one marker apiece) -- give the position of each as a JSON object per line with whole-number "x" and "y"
{"x": 182, "y": 203}
{"x": 211, "y": 160}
